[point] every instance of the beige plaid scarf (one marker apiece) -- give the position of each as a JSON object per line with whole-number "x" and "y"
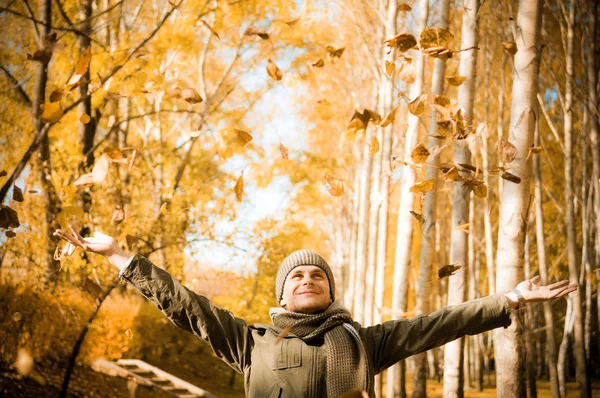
{"x": 347, "y": 367}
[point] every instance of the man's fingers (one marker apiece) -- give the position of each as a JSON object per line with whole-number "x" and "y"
{"x": 564, "y": 291}
{"x": 65, "y": 236}
{"x": 558, "y": 285}
{"x": 535, "y": 280}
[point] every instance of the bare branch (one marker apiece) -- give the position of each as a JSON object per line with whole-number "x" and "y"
{"x": 22, "y": 92}
{"x": 31, "y": 14}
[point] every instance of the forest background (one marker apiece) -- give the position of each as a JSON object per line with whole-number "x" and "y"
{"x": 431, "y": 151}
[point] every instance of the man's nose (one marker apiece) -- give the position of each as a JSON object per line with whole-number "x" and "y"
{"x": 307, "y": 280}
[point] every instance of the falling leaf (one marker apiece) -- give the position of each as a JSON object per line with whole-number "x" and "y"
{"x": 24, "y": 362}
{"x": 92, "y": 288}
{"x": 452, "y": 175}
{"x": 389, "y": 118}
{"x": 535, "y": 149}
{"x": 69, "y": 249}
{"x": 317, "y": 63}
{"x": 508, "y": 152}
{"x": 56, "y": 95}
{"x": 118, "y": 216}
{"x": 43, "y": 56}
{"x": 131, "y": 241}
{"x": 374, "y": 146}
{"x": 404, "y": 7}
{"x": 419, "y": 154}
{"x": 239, "y": 188}
{"x": 402, "y": 42}
{"x": 417, "y": 106}
{"x": 479, "y": 189}
{"x": 282, "y": 335}
{"x": 85, "y": 118}
{"x": 441, "y": 100}
{"x": 8, "y": 217}
{"x": 191, "y": 96}
{"x": 407, "y": 72}
{"x": 100, "y": 170}
{"x": 460, "y": 131}
{"x": 284, "y": 151}
{"x": 273, "y": 70}
{"x": 57, "y": 256}
{"x": 211, "y": 29}
{"x": 389, "y": 67}
{"x": 243, "y": 136}
{"x": 336, "y": 186}
{"x": 17, "y": 194}
{"x": 510, "y": 47}
{"x": 254, "y": 31}
{"x": 129, "y": 334}
{"x": 422, "y": 187}
{"x": 175, "y": 93}
{"x": 83, "y": 63}
{"x": 51, "y": 112}
{"x": 511, "y": 177}
{"x": 463, "y": 227}
{"x": 133, "y": 154}
{"x": 418, "y": 217}
{"x": 448, "y": 270}
{"x": 455, "y": 80}
{"x": 292, "y": 22}
{"x": 435, "y": 37}
{"x": 334, "y": 53}
{"x": 10, "y": 234}
{"x": 84, "y": 179}
{"x": 163, "y": 208}
{"x": 3, "y": 173}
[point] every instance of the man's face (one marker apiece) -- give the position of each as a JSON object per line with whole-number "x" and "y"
{"x": 306, "y": 290}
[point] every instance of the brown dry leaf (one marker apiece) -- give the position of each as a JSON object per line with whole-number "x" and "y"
{"x": 455, "y": 80}
{"x": 435, "y": 37}
{"x": 239, "y": 188}
{"x": 274, "y": 71}
{"x": 390, "y": 118}
{"x": 334, "y": 53}
{"x": 51, "y": 112}
{"x": 336, "y": 186}
{"x": 535, "y": 149}
{"x": 284, "y": 151}
{"x": 175, "y": 93}
{"x": 40, "y": 55}
{"x": 191, "y": 96}
{"x": 210, "y": 28}
{"x": 389, "y": 67}
{"x": 129, "y": 335}
{"x": 508, "y": 152}
{"x": 404, "y": 7}
{"x": 419, "y": 154}
{"x": 282, "y": 335}
{"x": 403, "y": 42}
{"x": 422, "y": 187}
{"x": 84, "y": 179}
{"x": 448, "y": 270}
{"x": 407, "y": 72}
{"x": 510, "y": 47}
{"x": 100, "y": 170}
{"x": 317, "y": 63}
{"x": 452, "y": 175}
{"x": 460, "y": 127}
{"x": 254, "y": 31}
{"x": 118, "y": 216}
{"x": 83, "y": 63}
{"x": 417, "y": 106}
{"x": 442, "y": 100}
{"x": 92, "y": 288}
{"x": 293, "y": 22}
{"x": 10, "y": 234}
{"x": 511, "y": 177}
{"x": 85, "y": 118}
{"x": 56, "y": 95}
{"x": 3, "y": 173}
{"x": 418, "y": 217}
{"x": 17, "y": 194}
{"x": 243, "y": 136}
{"x": 57, "y": 256}
{"x": 444, "y": 127}
{"x": 131, "y": 241}
{"x": 479, "y": 189}
{"x": 374, "y": 146}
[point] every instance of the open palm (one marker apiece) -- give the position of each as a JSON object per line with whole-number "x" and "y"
{"x": 98, "y": 243}
{"x": 533, "y": 291}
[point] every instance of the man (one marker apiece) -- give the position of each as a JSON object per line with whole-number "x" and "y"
{"x": 313, "y": 348}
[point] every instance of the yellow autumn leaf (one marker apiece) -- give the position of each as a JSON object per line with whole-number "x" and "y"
{"x": 510, "y": 47}
{"x": 455, "y": 80}
{"x": 435, "y": 37}
{"x": 422, "y": 187}
{"x": 292, "y": 22}
{"x": 374, "y": 146}
{"x": 417, "y": 106}
{"x": 191, "y": 96}
{"x": 419, "y": 154}
{"x": 284, "y": 151}
{"x": 83, "y": 63}
{"x": 274, "y": 71}
{"x": 243, "y": 136}
{"x": 85, "y": 118}
{"x": 389, "y": 67}
{"x": 239, "y": 188}
{"x": 51, "y": 112}
{"x": 336, "y": 186}
{"x": 402, "y": 42}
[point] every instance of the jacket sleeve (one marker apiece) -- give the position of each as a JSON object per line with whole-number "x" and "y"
{"x": 227, "y": 335}
{"x": 395, "y": 340}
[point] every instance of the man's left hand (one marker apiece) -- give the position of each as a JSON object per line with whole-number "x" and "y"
{"x": 533, "y": 292}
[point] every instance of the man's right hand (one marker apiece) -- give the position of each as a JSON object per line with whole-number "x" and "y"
{"x": 99, "y": 243}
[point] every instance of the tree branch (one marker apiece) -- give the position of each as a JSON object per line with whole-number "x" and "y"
{"x": 22, "y": 92}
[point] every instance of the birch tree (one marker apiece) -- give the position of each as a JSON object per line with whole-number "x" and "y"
{"x": 514, "y": 201}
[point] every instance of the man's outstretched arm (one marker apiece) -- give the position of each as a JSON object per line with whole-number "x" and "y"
{"x": 227, "y": 334}
{"x": 395, "y": 340}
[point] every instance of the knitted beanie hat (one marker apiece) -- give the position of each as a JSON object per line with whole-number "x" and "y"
{"x": 296, "y": 259}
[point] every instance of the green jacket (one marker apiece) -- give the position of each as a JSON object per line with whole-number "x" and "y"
{"x": 293, "y": 368}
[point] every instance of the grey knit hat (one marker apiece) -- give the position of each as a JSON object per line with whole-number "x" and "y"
{"x": 296, "y": 259}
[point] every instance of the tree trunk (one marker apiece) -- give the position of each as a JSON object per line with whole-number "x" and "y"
{"x": 404, "y": 231}
{"x": 514, "y": 202}
{"x": 427, "y": 259}
{"x": 529, "y": 326}
{"x": 543, "y": 269}
{"x": 349, "y": 299}
{"x": 453, "y": 377}
{"x": 578, "y": 349}
{"x": 564, "y": 347}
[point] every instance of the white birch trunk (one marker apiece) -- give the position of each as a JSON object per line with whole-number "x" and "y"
{"x": 508, "y": 344}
